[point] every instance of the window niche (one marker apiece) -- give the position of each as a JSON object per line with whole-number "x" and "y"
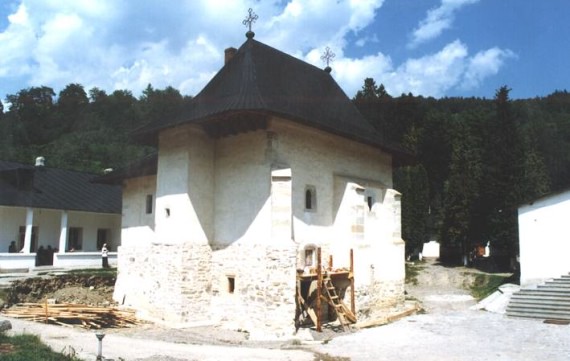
{"x": 310, "y": 256}
{"x": 310, "y": 198}
{"x": 231, "y": 284}
{"x": 149, "y": 204}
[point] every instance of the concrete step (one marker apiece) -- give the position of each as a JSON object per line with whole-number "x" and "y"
{"x": 556, "y": 283}
{"x": 540, "y": 315}
{"x": 549, "y": 306}
{"x": 548, "y": 301}
{"x": 537, "y": 302}
{"x": 544, "y": 292}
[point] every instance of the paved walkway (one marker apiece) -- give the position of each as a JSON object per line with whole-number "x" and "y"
{"x": 449, "y": 332}
{"x": 466, "y": 335}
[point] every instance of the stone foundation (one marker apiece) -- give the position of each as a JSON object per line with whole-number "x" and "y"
{"x": 248, "y": 287}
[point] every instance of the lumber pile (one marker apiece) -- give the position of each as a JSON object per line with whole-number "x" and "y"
{"x": 68, "y": 314}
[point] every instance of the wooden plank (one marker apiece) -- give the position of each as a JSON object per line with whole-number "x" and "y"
{"x": 319, "y": 290}
{"x": 352, "y": 301}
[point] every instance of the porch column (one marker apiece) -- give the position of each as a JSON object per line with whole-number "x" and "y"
{"x": 63, "y": 233}
{"x": 29, "y": 225}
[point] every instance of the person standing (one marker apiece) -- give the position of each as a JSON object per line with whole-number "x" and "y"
{"x": 105, "y": 255}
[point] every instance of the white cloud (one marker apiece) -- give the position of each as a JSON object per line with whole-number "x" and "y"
{"x": 127, "y": 44}
{"x": 437, "y": 20}
{"x": 484, "y": 64}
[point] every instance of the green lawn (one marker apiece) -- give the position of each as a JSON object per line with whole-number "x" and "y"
{"x": 30, "y": 348}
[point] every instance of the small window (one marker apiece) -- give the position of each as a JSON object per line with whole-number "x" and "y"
{"x": 103, "y": 236}
{"x": 75, "y": 239}
{"x": 167, "y": 212}
{"x": 309, "y": 257}
{"x": 370, "y": 201}
{"x": 231, "y": 284}
{"x": 149, "y": 203}
{"x": 310, "y": 198}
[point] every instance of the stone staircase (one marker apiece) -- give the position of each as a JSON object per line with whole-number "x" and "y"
{"x": 550, "y": 300}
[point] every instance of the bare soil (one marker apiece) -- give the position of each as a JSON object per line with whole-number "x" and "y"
{"x": 90, "y": 290}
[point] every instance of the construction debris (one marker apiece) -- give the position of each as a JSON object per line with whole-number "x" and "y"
{"x": 68, "y": 314}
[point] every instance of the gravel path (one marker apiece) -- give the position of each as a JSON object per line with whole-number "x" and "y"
{"x": 448, "y": 330}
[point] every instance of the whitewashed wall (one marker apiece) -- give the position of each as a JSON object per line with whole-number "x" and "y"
{"x": 137, "y": 225}
{"x": 11, "y": 218}
{"x": 544, "y": 238}
{"x": 222, "y": 208}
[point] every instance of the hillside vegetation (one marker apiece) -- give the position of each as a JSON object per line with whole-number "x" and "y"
{"x": 477, "y": 159}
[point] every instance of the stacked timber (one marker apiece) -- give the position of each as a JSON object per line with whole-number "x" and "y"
{"x": 69, "y": 314}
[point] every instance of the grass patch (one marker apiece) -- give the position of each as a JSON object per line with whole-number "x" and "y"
{"x": 412, "y": 271}
{"x": 485, "y": 284}
{"x": 30, "y": 348}
{"x": 103, "y": 272}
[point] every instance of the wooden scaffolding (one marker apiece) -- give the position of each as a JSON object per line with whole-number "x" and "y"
{"x": 329, "y": 289}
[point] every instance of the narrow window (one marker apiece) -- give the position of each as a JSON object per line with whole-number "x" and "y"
{"x": 103, "y": 236}
{"x": 310, "y": 198}
{"x": 309, "y": 257}
{"x": 167, "y": 212}
{"x": 370, "y": 201}
{"x": 231, "y": 284}
{"x": 75, "y": 239}
{"x": 148, "y": 203}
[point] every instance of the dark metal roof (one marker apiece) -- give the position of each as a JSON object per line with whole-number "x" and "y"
{"x": 23, "y": 185}
{"x": 264, "y": 80}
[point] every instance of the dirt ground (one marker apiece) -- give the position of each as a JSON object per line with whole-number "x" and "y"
{"x": 447, "y": 330}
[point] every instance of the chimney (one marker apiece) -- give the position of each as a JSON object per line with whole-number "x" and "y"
{"x": 40, "y": 161}
{"x": 229, "y": 54}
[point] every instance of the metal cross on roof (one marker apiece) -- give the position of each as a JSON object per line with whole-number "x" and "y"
{"x": 328, "y": 57}
{"x": 250, "y": 19}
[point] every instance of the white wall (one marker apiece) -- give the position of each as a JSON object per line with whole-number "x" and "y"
{"x": 137, "y": 225}
{"x": 11, "y": 218}
{"x": 242, "y": 189}
{"x": 544, "y": 238}
{"x": 185, "y": 187}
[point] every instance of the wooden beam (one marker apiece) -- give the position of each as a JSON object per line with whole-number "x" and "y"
{"x": 319, "y": 290}
{"x": 352, "y": 302}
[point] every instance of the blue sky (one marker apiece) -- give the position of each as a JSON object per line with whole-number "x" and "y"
{"x": 427, "y": 47}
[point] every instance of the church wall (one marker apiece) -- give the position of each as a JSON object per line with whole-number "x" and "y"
{"x": 214, "y": 257}
{"x": 137, "y": 224}
{"x": 242, "y": 186}
{"x": 169, "y": 278}
{"x": 331, "y": 164}
{"x": 185, "y": 187}
{"x": 261, "y": 270}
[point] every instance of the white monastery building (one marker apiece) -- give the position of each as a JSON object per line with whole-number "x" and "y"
{"x": 544, "y": 238}
{"x": 59, "y": 217}
{"x": 270, "y": 166}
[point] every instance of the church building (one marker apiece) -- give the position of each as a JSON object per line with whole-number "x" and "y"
{"x": 270, "y": 173}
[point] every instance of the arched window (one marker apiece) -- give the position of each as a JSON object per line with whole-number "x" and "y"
{"x": 310, "y": 198}
{"x": 310, "y": 256}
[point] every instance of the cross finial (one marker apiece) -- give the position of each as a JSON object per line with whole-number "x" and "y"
{"x": 250, "y": 19}
{"x": 328, "y": 57}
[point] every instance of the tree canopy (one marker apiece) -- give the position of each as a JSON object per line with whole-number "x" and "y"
{"x": 477, "y": 159}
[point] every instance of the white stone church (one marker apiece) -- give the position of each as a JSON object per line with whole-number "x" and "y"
{"x": 271, "y": 162}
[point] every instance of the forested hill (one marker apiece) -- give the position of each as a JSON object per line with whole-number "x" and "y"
{"x": 80, "y": 131}
{"x": 477, "y": 159}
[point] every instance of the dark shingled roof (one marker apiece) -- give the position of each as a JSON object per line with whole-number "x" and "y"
{"x": 42, "y": 187}
{"x": 261, "y": 79}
